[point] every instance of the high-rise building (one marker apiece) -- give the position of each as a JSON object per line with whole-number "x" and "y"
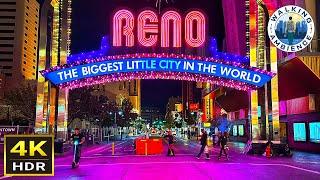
{"x": 19, "y": 22}
{"x": 54, "y": 47}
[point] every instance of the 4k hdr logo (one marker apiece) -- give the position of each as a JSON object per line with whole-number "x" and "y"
{"x": 28, "y": 155}
{"x": 291, "y": 28}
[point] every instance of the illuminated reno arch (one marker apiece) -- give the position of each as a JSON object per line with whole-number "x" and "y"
{"x": 157, "y": 66}
{"x": 147, "y": 29}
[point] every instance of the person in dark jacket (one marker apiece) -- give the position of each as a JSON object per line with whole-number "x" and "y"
{"x": 170, "y": 139}
{"x": 223, "y": 145}
{"x": 203, "y": 142}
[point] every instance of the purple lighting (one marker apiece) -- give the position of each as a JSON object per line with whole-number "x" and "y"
{"x": 157, "y": 75}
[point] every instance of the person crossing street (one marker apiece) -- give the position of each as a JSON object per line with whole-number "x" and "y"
{"x": 203, "y": 142}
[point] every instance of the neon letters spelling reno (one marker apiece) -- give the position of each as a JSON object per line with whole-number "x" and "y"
{"x": 147, "y": 30}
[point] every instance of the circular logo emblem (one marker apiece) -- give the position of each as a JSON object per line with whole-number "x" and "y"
{"x": 291, "y": 28}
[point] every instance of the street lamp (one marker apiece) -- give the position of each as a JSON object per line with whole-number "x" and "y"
{"x": 115, "y": 117}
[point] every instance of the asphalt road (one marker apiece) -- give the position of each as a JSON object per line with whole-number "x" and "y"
{"x": 98, "y": 162}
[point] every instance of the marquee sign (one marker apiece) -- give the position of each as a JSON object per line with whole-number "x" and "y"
{"x": 157, "y": 66}
{"x": 150, "y": 28}
{"x": 171, "y": 30}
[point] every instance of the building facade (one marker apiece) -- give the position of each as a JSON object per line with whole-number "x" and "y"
{"x": 286, "y": 110}
{"x": 151, "y": 114}
{"x": 19, "y": 25}
{"x": 54, "y": 47}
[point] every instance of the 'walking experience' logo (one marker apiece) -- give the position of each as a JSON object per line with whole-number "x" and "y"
{"x": 291, "y": 28}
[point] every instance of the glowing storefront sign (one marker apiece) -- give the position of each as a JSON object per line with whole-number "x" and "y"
{"x": 151, "y": 64}
{"x": 147, "y": 29}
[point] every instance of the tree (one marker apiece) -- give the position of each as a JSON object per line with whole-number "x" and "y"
{"x": 170, "y": 120}
{"x": 127, "y": 115}
{"x": 22, "y": 103}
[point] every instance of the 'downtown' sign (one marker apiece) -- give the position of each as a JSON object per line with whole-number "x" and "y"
{"x": 153, "y": 66}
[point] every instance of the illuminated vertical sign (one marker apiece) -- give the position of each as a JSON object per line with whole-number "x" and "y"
{"x": 149, "y": 28}
{"x": 198, "y": 18}
{"x": 147, "y": 25}
{"x": 123, "y": 24}
{"x": 174, "y": 18}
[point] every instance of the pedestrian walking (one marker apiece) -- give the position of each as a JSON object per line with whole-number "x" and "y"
{"x": 223, "y": 145}
{"x": 203, "y": 142}
{"x": 170, "y": 139}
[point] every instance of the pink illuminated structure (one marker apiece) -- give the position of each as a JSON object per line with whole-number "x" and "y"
{"x": 148, "y": 31}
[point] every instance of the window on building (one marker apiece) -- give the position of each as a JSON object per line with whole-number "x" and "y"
{"x": 6, "y": 45}
{"x": 25, "y": 34}
{"x": 25, "y": 41}
{"x": 24, "y": 55}
{"x": 6, "y": 38}
{"x": 6, "y": 52}
{"x": 235, "y": 130}
{"x": 241, "y": 130}
{"x": 7, "y": 10}
{"x": 5, "y": 60}
{"x": 7, "y": 17}
{"x": 299, "y": 132}
{"x": 7, "y": 67}
{"x": 27, "y": 28}
{"x": 7, "y": 24}
{"x": 8, "y": 3}
{"x": 27, "y": 14}
{"x": 27, "y": 21}
{"x": 25, "y": 48}
{"x": 314, "y": 128}
{"x": 24, "y": 62}
{"x": 27, "y": 7}
{"x": 6, "y": 31}
{"x": 8, "y": 74}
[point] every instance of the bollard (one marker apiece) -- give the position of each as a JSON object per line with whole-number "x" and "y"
{"x": 146, "y": 148}
{"x": 112, "y": 148}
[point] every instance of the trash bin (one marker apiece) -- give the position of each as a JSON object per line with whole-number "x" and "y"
{"x": 58, "y": 145}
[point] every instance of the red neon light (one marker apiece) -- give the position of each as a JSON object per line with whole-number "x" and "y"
{"x": 145, "y": 28}
{"x": 123, "y": 29}
{"x": 175, "y": 18}
{"x": 148, "y": 28}
{"x": 198, "y": 17}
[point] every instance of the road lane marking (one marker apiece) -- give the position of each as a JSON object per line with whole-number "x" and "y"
{"x": 4, "y": 177}
{"x": 195, "y": 162}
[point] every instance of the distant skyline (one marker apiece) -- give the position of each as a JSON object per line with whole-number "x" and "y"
{"x": 91, "y": 21}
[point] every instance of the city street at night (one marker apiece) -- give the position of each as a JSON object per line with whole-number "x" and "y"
{"x": 98, "y": 162}
{"x": 160, "y": 89}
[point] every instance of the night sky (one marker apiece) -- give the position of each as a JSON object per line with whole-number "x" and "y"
{"x": 91, "y": 20}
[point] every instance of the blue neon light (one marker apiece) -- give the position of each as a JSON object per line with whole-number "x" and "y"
{"x": 127, "y": 65}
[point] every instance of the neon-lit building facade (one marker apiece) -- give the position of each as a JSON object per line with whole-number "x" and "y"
{"x": 54, "y": 47}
